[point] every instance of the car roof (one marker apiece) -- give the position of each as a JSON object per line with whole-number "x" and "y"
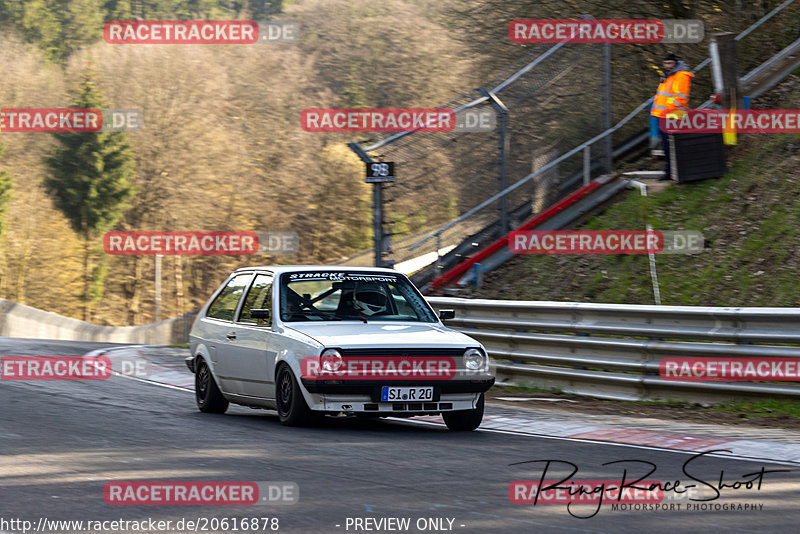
{"x": 277, "y": 269}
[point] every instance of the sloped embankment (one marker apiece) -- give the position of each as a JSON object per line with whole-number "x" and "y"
{"x": 750, "y": 219}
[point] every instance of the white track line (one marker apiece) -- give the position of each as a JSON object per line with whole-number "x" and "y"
{"x": 528, "y": 434}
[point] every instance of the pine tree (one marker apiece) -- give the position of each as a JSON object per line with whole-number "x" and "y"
{"x": 89, "y": 180}
{"x": 6, "y": 188}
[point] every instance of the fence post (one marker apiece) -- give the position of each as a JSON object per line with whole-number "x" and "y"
{"x": 438, "y": 248}
{"x": 587, "y": 164}
{"x": 608, "y": 150}
{"x": 377, "y": 208}
{"x": 725, "y": 64}
{"x": 501, "y": 108}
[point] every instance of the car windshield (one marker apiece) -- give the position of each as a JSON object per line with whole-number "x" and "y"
{"x": 344, "y": 295}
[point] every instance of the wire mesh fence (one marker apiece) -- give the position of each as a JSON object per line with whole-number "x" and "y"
{"x": 556, "y": 100}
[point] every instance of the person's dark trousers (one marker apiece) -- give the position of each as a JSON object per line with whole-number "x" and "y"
{"x": 665, "y": 148}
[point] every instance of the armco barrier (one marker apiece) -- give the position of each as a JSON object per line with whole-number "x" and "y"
{"x": 613, "y": 351}
{"x": 18, "y": 320}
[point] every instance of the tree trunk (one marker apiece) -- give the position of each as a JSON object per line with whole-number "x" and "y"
{"x": 87, "y": 279}
{"x": 178, "y": 285}
{"x": 135, "y": 298}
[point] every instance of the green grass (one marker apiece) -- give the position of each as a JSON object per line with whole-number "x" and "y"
{"x": 498, "y": 388}
{"x": 750, "y": 409}
{"x": 749, "y": 218}
{"x": 762, "y": 408}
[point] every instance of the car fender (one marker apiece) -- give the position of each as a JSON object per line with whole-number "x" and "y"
{"x": 202, "y": 352}
{"x": 292, "y": 353}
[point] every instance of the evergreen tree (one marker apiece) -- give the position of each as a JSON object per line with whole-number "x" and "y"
{"x": 89, "y": 180}
{"x": 6, "y": 188}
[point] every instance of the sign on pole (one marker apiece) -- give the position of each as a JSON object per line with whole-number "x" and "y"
{"x": 380, "y": 172}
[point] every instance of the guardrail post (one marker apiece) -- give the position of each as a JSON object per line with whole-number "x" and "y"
{"x": 501, "y": 108}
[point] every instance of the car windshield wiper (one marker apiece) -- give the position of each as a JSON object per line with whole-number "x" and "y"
{"x": 354, "y": 317}
{"x": 302, "y": 314}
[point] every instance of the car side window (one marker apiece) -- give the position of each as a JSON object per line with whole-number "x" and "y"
{"x": 224, "y": 306}
{"x": 259, "y": 297}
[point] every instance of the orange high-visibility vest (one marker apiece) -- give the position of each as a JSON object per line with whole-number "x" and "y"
{"x": 672, "y": 94}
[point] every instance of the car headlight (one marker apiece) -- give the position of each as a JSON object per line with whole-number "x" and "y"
{"x": 474, "y": 359}
{"x": 331, "y": 360}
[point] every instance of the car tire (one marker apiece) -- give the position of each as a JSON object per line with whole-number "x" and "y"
{"x": 292, "y": 407}
{"x": 208, "y": 396}
{"x": 465, "y": 420}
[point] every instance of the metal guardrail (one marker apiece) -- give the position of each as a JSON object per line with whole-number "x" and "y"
{"x": 613, "y": 351}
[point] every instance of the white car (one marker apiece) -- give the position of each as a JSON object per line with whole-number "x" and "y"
{"x": 314, "y": 340}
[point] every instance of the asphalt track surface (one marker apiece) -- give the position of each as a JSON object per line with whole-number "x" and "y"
{"x": 62, "y": 441}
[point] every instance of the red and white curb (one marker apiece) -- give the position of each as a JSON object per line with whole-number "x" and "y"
{"x": 157, "y": 374}
{"x": 536, "y": 426}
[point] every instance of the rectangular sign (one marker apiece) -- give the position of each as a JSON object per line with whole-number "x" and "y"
{"x": 378, "y": 172}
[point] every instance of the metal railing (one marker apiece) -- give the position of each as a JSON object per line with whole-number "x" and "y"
{"x": 585, "y": 148}
{"x": 614, "y": 351}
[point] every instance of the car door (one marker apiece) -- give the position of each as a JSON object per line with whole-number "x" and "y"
{"x": 220, "y": 332}
{"x": 252, "y": 362}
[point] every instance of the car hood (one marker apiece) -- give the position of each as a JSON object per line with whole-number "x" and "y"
{"x": 357, "y": 334}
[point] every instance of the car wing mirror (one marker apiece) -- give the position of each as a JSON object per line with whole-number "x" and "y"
{"x": 259, "y": 313}
{"x": 447, "y": 314}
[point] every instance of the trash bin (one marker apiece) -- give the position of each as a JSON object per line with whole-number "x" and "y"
{"x": 697, "y": 156}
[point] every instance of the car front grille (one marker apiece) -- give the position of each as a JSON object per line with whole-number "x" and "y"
{"x": 412, "y": 406}
{"x": 378, "y": 352}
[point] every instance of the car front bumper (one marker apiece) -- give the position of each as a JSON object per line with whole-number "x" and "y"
{"x": 364, "y": 396}
{"x": 475, "y": 384}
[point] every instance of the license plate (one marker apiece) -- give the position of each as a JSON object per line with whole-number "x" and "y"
{"x": 398, "y": 394}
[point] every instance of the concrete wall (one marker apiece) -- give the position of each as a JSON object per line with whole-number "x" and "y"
{"x": 18, "y": 320}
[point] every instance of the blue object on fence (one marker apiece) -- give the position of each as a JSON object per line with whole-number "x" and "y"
{"x": 476, "y": 274}
{"x": 746, "y": 102}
